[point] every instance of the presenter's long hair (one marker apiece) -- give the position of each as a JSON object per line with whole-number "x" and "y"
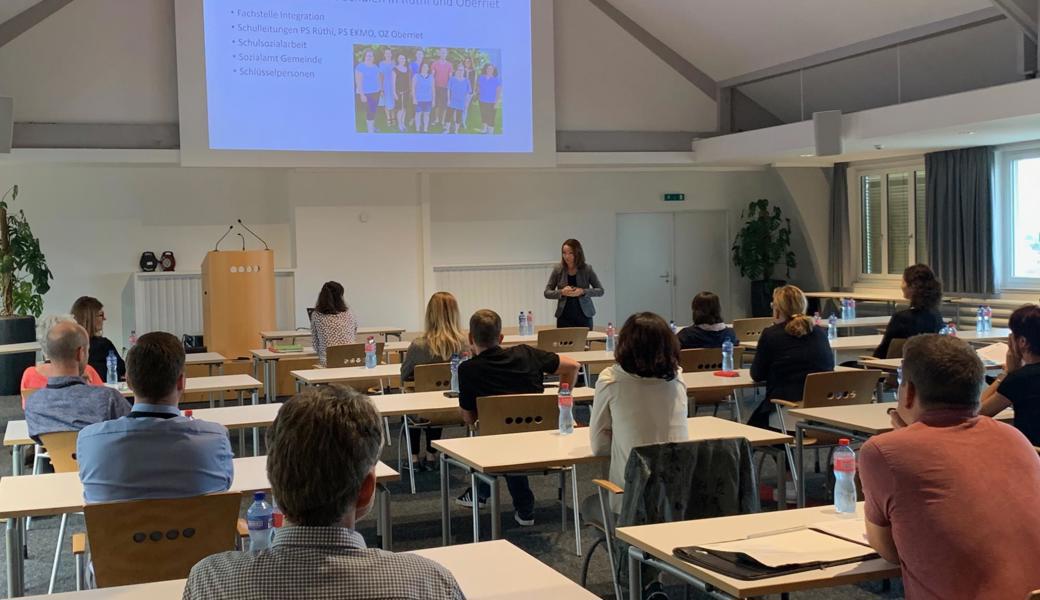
{"x": 579, "y": 254}
{"x": 443, "y": 335}
{"x": 330, "y": 299}
{"x": 88, "y": 313}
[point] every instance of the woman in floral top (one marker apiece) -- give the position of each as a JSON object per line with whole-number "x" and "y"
{"x": 332, "y": 322}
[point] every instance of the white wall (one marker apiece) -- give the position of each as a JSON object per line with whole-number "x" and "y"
{"x": 94, "y": 222}
{"x": 114, "y": 61}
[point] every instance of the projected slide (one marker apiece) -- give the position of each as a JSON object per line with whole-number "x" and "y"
{"x": 369, "y": 75}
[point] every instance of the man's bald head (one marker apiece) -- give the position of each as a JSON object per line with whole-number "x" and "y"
{"x": 63, "y": 342}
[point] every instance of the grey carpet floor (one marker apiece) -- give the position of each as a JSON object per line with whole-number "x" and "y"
{"x": 417, "y": 524}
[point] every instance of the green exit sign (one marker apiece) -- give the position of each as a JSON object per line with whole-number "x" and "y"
{"x": 674, "y": 197}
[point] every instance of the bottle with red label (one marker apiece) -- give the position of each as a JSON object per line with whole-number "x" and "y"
{"x": 844, "y": 478}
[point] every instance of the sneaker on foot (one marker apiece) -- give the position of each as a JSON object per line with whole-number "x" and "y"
{"x": 524, "y": 520}
{"x": 466, "y": 499}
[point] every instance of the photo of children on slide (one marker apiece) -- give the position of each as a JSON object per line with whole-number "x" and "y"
{"x": 409, "y": 89}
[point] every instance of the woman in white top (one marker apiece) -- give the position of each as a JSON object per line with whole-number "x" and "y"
{"x": 332, "y": 322}
{"x": 640, "y": 400}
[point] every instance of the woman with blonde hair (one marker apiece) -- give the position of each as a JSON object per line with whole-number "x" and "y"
{"x": 90, "y": 314}
{"x": 442, "y": 338}
{"x": 787, "y": 352}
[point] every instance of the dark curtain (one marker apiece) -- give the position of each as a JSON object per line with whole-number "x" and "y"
{"x": 959, "y": 206}
{"x": 840, "y": 237}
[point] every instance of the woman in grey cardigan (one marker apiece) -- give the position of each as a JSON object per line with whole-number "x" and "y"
{"x": 573, "y": 284}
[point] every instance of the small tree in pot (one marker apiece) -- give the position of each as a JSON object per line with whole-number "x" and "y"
{"x": 24, "y": 279}
{"x": 761, "y": 244}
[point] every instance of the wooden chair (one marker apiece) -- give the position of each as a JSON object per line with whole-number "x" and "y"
{"x": 749, "y": 330}
{"x": 833, "y": 388}
{"x": 156, "y": 540}
{"x": 61, "y": 447}
{"x": 563, "y": 339}
{"x": 428, "y": 378}
{"x": 530, "y": 412}
{"x": 695, "y": 360}
{"x": 351, "y": 355}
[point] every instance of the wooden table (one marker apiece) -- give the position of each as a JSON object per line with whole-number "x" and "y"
{"x": 267, "y": 360}
{"x": 21, "y": 348}
{"x": 653, "y": 545}
{"x": 857, "y": 421}
{"x": 478, "y": 568}
{"x": 61, "y": 493}
{"x": 531, "y": 340}
{"x": 488, "y": 458}
{"x": 291, "y": 334}
{"x": 850, "y": 345}
{"x": 857, "y": 322}
{"x": 345, "y": 374}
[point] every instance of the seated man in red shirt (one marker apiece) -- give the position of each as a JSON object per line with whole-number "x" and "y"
{"x": 951, "y": 496}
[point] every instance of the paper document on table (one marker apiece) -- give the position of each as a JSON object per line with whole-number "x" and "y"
{"x": 994, "y": 354}
{"x": 853, "y": 530}
{"x": 800, "y": 547}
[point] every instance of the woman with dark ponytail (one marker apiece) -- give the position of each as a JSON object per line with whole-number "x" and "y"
{"x": 788, "y": 351}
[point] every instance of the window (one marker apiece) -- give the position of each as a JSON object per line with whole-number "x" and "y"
{"x": 890, "y": 213}
{"x": 1020, "y": 211}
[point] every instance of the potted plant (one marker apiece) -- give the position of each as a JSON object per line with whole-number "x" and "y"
{"x": 761, "y": 244}
{"x": 24, "y": 279}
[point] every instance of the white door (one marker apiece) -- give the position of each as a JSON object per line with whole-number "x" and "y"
{"x": 643, "y": 265}
{"x": 701, "y": 260}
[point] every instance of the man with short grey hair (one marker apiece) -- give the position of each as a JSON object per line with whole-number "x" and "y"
{"x": 323, "y": 449}
{"x": 68, "y": 403}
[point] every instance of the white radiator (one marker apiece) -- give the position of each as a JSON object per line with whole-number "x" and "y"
{"x": 506, "y": 289}
{"x": 173, "y": 302}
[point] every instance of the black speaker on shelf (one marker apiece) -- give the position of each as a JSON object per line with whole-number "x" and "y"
{"x": 193, "y": 344}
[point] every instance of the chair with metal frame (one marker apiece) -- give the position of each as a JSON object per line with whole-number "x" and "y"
{"x": 523, "y": 413}
{"x": 563, "y": 339}
{"x": 428, "y": 378}
{"x": 693, "y": 360}
{"x": 61, "y": 448}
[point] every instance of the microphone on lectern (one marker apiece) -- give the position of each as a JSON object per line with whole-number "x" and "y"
{"x": 266, "y": 247}
{"x": 216, "y": 247}
{"x": 243, "y": 238}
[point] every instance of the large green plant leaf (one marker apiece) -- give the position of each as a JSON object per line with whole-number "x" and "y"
{"x": 763, "y": 242}
{"x": 24, "y": 263}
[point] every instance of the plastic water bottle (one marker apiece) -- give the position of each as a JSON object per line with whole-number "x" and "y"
{"x": 188, "y": 414}
{"x": 832, "y": 328}
{"x": 844, "y": 478}
{"x": 951, "y": 329}
{"x": 610, "y": 337}
{"x": 523, "y": 323}
{"x": 989, "y": 318}
{"x": 455, "y": 361}
{"x": 852, "y": 308}
{"x": 370, "y": 353}
{"x": 816, "y": 319}
{"x": 673, "y": 327}
{"x": 277, "y": 518}
{"x": 112, "y": 368}
{"x": 259, "y": 518}
{"x": 133, "y": 338}
{"x": 566, "y": 410}
{"x": 844, "y": 309}
{"x": 945, "y": 330}
{"x": 727, "y": 356}
{"x": 530, "y": 323}
{"x": 980, "y": 319}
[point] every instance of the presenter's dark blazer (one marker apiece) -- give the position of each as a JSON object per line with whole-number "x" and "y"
{"x": 586, "y": 279}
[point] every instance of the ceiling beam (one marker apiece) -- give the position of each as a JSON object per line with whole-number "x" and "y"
{"x": 675, "y": 60}
{"x": 906, "y": 36}
{"x": 1023, "y": 13}
{"x": 29, "y": 18}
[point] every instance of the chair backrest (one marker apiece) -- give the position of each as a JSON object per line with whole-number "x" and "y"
{"x": 433, "y": 377}
{"x": 895, "y": 348}
{"x": 840, "y": 388}
{"x": 563, "y": 339}
{"x": 749, "y": 330}
{"x": 518, "y": 413}
{"x": 350, "y": 355}
{"x": 156, "y": 540}
{"x": 707, "y": 359}
{"x": 61, "y": 447}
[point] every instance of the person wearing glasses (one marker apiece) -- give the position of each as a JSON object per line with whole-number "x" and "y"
{"x": 90, "y": 314}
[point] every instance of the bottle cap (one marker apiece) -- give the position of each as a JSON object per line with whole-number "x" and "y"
{"x": 843, "y": 442}
{"x": 565, "y": 386}
{"x": 187, "y": 413}
{"x": 259, "y": 496}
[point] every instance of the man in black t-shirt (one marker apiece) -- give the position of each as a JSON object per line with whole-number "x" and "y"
{"x": 1019, "y": 384}
{"x": 496, "y": 371}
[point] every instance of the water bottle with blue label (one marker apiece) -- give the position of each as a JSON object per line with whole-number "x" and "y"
{"x": 112, "y": 368}
{"x": 523, "y": 323}
{"x": 673, "y": 327}
{"x": 832, "y": 327}
{"x": 989, "y": 318}
{"x": 844, "y": 309}
{"x": 370, "y": 353}
{"x": 727, "y": 356}
{"x": 260, "y": 521}
{"x": 455, "y": 361}
{"x": 566, "y": 402}
{"x": 844, "y": 478}
{"x": 610, "y": 337}
{"x": 852, "y": 308}
{"x": 980, "y": 319}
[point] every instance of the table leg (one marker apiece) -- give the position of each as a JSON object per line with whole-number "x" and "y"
{"x": 445, "y": 511}
{"x": 384, "y": 517}
{"x": 13, "y": 542}
{"x": 271, "y": 382}
{"x": 241, "y": 432}
{"x": 635, "y": 576}
{"x": 475, "y": 510}
{"x": 799, "y": 441}
{"x": 495, "y": 504}
{"x": 256, "y": 430}
{"x": 209, "y": 371}
{"x": 17, "y": 461}
{"x": 781, "y": 479}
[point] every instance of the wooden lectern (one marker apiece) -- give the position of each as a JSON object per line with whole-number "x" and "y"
{"x": 237, "y": 300}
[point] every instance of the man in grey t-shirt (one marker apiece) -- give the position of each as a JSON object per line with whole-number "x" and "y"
{"x": 68, "y": 403}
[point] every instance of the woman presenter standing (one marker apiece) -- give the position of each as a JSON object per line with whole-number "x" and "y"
{"x": 573, "y": 284}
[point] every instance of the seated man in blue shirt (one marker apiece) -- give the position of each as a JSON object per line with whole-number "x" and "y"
{"x": 68, "y": 403}
{"x": 154, "y": 452}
